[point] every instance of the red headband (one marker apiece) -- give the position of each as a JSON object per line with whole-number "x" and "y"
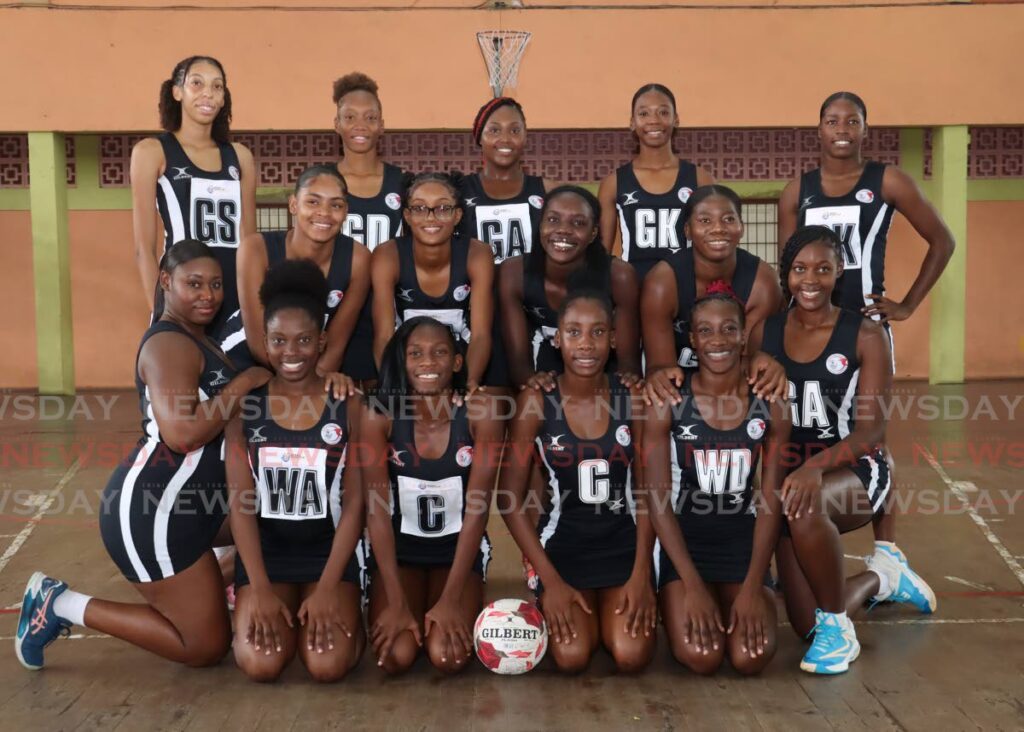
{"x": 485, "y": 112}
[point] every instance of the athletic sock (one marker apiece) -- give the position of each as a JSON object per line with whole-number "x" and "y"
{"x": 70, "y": 606}
{"x": 885, "y": 587}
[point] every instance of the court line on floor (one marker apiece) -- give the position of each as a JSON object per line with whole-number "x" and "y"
{"x": 29, "y": 527}
{"x": 980, "y": 522}
{"x": 907, "y": 621}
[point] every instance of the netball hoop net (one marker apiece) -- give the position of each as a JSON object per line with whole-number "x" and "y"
{"x": 502, "y": 50}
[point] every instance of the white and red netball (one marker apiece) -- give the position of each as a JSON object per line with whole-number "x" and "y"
{"x": 510, "y": 636}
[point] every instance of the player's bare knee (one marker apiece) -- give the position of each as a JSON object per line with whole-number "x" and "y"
{"x": 690, "y": 656}
{"x": 632, "y": 655}
{"x": 402, "y": 656}
{"x": 260, "y": 668}
{"x": 572, "y": 658}
{"x": 203, "y": 655}
{"x": 747, "y": 665}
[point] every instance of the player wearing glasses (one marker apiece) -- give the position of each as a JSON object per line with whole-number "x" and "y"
{"x": 432, "y": 272}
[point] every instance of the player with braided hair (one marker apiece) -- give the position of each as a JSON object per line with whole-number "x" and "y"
{"x": 202, "y": 185}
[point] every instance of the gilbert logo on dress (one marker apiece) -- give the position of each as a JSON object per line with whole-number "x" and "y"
{"x": 630, "y": 198}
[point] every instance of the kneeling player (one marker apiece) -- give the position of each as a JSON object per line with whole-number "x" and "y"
{"x": 838, "y": 367}
{"x": 429, "y": 468}
{"x": 716, "y": 535}
{"x": 592, "y": 556}
{"x": 296, "y": 512}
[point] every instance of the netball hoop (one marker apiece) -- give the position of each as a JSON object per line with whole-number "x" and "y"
{"x": 502, "y": 50}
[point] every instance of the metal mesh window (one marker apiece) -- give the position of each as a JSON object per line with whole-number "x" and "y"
{"x": 272, "y": 217}
{"x": 761, "y": 233}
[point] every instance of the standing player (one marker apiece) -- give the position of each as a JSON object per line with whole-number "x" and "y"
{"x": 501, "y": 204}
{"x": 318, "y": 208}
{"x": 296, "y": 512}
{"x": 713, "y": 221}
{"x": 857, "y": 198}
{"x": 592, "y": 551}
{"x": 202, "y": 185}
{"x": 838, "y": 366}
{"x": 375, "y": 188}
{"x": 534, "y": 286}
{"x": 163, "y": 506}
{"x": 649, "y": 192}
{"x": 435, "y": 272}
{"x": 428, "y": 472}
{"x": 716, "y": 536}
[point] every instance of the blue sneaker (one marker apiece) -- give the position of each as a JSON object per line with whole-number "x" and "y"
{"x": 907, "y": 586}
{"x": 834, "y": 648}
{"x": 38, "y": 625}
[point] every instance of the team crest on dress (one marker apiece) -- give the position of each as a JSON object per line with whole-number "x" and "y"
{"x": 755, "y": 428}
{"x": 334, "y": 298}
{"x": 837, "y": 364}
{"x": 536, "y": 201}
{"x": 393, "y": 201}
{"x": 461, "y": 292}
{"x": 623, "y": 436}
{"x": 233, "y": 172}
{"x": 865, "y": 196}
{"x": 685, "y": 193}
{"x": 464, "y": 457}
{"x": 331, "y": 433}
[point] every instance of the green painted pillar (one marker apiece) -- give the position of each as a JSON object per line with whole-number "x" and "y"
{"x": 949, "y": 296}
{"x": 51, "y": 262}
{"x": 912, "y": 153}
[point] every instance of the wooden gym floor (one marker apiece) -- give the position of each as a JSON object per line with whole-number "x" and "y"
{"x": 963, "y": 668}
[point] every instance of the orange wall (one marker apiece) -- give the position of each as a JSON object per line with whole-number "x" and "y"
{"x": 100, "y": 70}
{"x": 18, "y": 362}
{"x": 995, "y": 295}
{"x": 110, "y": 312}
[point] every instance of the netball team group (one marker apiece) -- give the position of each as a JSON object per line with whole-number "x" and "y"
{"x": 331, "y": 400}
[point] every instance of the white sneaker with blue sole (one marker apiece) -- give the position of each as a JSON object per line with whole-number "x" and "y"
{"x": 907, "y": 586}
{"x": 834, "y": 648}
